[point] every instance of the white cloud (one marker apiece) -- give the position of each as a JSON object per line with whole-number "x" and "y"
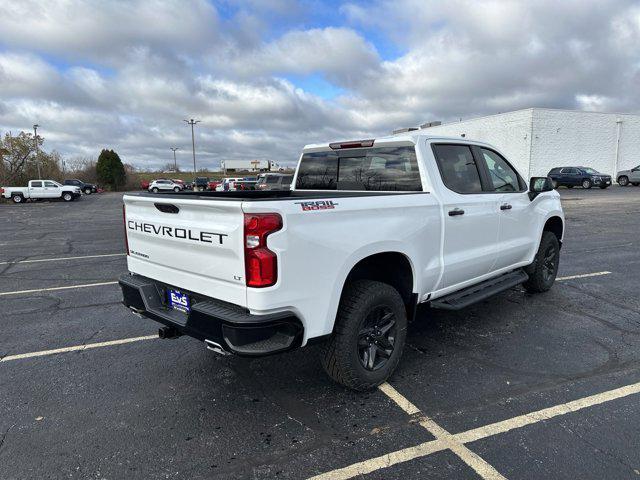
{"x": 124, "y": 74}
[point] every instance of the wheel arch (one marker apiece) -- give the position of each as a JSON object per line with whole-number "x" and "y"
{"x": 392, "y": 267}
{"x": 555, "y": 225}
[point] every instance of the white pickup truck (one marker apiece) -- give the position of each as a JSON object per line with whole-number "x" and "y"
{"x": 369, "y": 230}
{"x": 41, "y": 189}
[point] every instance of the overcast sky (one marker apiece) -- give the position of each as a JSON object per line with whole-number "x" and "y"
{"x": 266, "y": 77}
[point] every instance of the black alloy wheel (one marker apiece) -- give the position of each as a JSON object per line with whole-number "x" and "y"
{"x": 376, "y": 339}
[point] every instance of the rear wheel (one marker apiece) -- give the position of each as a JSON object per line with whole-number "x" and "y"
{"x": 586, "y": 184}
{"x": 17, "y": 198}
{"x": 67, "y": 197}
{"x": 542, "y": 272}
{"x": 623, "y": 181}
{"x": 369, "y": 335}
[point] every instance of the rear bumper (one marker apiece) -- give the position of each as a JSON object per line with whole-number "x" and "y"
{"x": 230, "y": 326}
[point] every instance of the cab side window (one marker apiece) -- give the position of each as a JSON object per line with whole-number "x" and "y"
{"x": 503, "y": 177}
{"x": 50, "y": 184}
{"x": 36, "y": 184}
{"x": 458, "y": 168}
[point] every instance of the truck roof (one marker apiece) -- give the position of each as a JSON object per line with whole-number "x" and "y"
{"x": 404, "y": 137}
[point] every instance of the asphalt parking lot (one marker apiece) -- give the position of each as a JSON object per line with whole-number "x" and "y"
{"x": 518, "y": 386}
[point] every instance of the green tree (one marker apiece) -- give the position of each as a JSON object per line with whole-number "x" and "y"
{"x": 110, "y": 170}
{"x": 19, "y": 163}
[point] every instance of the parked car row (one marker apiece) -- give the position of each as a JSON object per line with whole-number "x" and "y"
{"x": 264, "y": 181}
{"x": 587, "y": 177}
{"x": 41, "y": 190}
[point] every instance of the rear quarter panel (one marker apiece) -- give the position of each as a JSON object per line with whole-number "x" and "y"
{"x": 318, "y": 248}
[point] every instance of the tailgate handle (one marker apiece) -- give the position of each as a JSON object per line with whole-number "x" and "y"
{"x": 167, "y": 207}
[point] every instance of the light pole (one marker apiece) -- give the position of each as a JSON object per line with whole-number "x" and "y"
{"x": 175, "y": 162}
{"x": 192, "y": 122}
{"x": 35, "y": 140}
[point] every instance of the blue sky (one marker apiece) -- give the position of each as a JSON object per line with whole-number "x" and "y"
{"x": 269, "y": 76}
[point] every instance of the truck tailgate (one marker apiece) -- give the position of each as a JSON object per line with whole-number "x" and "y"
{"x": 193, "y": 243}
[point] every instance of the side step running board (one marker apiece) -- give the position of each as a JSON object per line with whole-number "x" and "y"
{"x": 480, "y": 291}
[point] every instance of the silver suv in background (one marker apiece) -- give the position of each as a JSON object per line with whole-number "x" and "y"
{"x": 274, "y": 181}
{"x": 626, "y": 177}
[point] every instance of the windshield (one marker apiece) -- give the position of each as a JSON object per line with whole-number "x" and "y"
{"x": 591, "y": 171}
{"x": 377, "y": 169}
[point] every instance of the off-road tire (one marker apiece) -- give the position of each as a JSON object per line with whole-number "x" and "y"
{"x": 340, "y": 353}
{"x": 623, "y": 181}
{"x": 538, "y": 282}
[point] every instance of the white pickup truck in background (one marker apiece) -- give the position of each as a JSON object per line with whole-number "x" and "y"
{"x": 41, "y": 189}
{"x": 369, "y": 230}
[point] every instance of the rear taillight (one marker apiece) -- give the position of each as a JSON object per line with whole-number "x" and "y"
{"x": 124, "y": 221}
{"x": 261, "y": 264}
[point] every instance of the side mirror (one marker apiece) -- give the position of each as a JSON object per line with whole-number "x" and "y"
{"x": 537, "y": 185}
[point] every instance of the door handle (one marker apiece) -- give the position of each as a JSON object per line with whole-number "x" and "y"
{"x": 456, "y": 211}
{"x": 505, "y": 206}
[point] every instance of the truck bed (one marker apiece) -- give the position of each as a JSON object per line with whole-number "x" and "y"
{"x": 269, "y": 195}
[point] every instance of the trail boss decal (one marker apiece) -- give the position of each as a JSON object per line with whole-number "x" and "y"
{"x": 317, "y": 205}
{"x": 181, "y": 233}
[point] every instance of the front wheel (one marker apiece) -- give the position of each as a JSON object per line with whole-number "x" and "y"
{"x": 87, "y": 191}
{"x": 176, "y": 189}
{"x": 542, "y": 272}
{"x": 586, "y": 184}
{"x": 67, "y": 197}
{"x": 155, "y": 190}
{"x": 368, "y": 337}
{"x": 623, "y": 181}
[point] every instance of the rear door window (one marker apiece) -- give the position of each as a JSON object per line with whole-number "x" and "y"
{"x": 458, "y": 168}
{"x": 370, "y": 169}
{"x": 36, "y": 184}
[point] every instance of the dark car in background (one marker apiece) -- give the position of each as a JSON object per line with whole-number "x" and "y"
{"x": 86, "y": 188}
{"x": 200, "y": 184}
{"x": 274, "y": 181}
{"x": 584, "y": 177}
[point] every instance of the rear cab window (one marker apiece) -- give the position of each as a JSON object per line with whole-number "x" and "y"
{"x": 393, "y": 168}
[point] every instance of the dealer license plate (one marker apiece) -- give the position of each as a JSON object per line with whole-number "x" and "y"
{"x": 179, "y": 301}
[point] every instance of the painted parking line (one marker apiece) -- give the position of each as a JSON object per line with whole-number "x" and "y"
{"x": 427, "y": 448}
{"x": 584, "y": 275}
{"x": 76, "y": 348}
{"x": 481, "y": 466}
{"x": 53, "y": 289}
{"x": 61, "y": 259}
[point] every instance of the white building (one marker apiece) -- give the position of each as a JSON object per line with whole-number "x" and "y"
{"x": 537, "y": 139}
